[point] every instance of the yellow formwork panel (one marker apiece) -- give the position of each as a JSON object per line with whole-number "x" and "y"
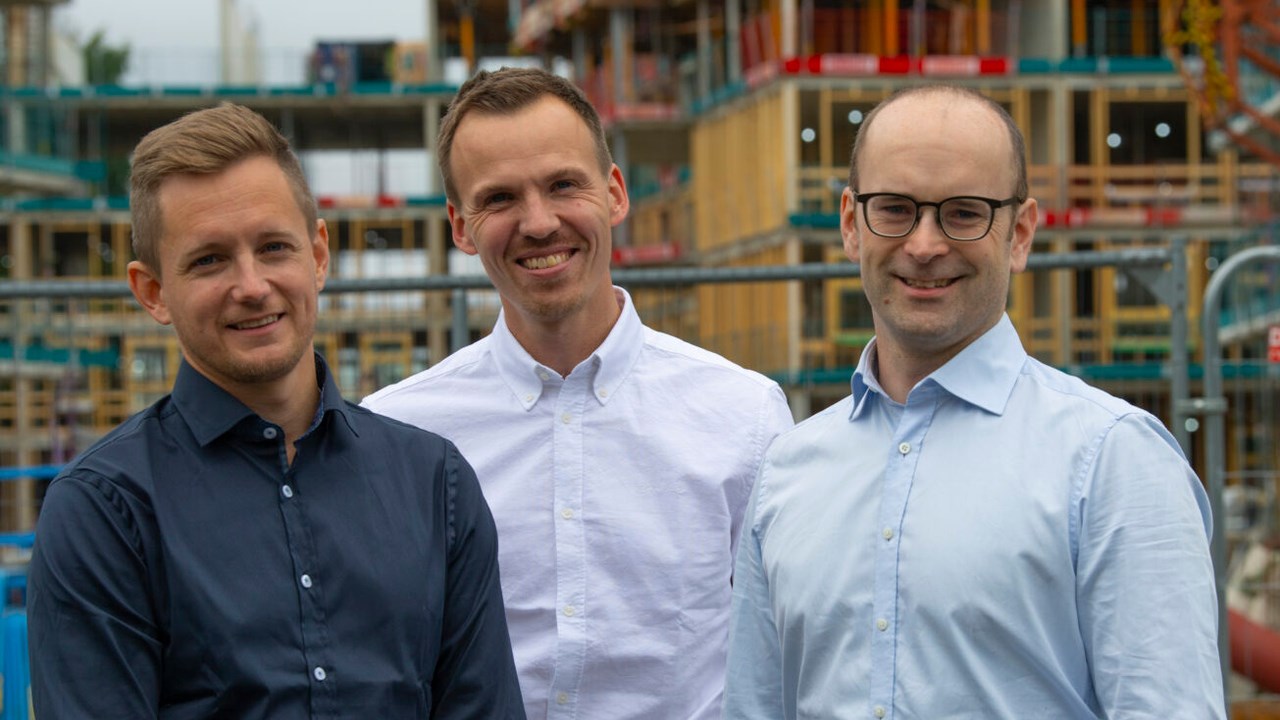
{"x": 739, "y": 173}
{"x": 749, "y": 322}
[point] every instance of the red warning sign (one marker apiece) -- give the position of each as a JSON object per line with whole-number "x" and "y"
{"x": 1273, "y": 344}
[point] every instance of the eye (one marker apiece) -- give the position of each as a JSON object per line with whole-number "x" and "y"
{"x": 966, "y": 211}
{"x": 274, "y": 246}
{"x": 562, "y": 185}
{"x": 204, "y": 261}
{"x": 895, "y": 206}
{"x": 498, "y": 198}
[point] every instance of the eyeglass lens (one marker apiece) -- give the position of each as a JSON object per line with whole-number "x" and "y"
{"x": 961, "y": 218}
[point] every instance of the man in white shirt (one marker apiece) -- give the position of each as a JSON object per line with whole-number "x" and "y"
{"x": 617, "y": 460}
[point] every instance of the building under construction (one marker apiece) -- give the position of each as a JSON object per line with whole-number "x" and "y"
{"x": 1148, "y": 124}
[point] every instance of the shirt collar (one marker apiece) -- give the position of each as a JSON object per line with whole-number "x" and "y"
{"x": 211, "y": 411}
{"x": 608, "y": 366}
{"x": 982, "y": 374}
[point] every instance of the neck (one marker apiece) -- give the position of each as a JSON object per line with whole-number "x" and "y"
{"x": 563, "y": 343}
{"x": 898, "y": 372}
{"x": 290, "y": 402}
{"x": 561, "y": 348}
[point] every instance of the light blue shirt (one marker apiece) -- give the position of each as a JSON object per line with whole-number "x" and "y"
{"x": 1011, "y": 543}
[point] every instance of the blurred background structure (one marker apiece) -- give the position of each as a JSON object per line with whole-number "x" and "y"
{"x": 1150, "y": 125}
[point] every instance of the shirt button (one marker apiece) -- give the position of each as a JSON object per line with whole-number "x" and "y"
{"x": 269, "y": 433}
{"x": 286, "y": 491}
{"x": 879, "y": 711}
{"x": 542, "y": 375}
{"x": 882, "y": 624}
{"x": 904, "y": 448}
{"x": 305, "y": 580}
{"x": 569, "y": 611}
{"x": 528, "y": 398}
{"x": 566, "y": 418}
{"x": 603, "y": 393}
{"x": 562, "y": 698}
{"x": 887, "y": 533}
{"x": 567, "y": 513}
{"x": 319, "y": 674}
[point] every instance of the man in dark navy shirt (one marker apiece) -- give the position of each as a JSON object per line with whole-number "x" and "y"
{"x": 252, "y": 546}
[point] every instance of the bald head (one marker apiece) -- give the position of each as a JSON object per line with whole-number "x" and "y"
{"x": 944, "y": 103}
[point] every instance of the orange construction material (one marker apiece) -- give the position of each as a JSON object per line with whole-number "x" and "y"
{"x": 1255, "y": 710}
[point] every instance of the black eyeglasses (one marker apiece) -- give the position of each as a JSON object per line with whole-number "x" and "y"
{"x": 963, "y": 219}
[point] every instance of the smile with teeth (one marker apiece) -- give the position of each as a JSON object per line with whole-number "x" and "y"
{"x": 545, "y": 261}
{"x": 928, "y": 284}
{"x": 251, "y": 324}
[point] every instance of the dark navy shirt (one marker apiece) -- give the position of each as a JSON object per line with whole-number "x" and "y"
{"x": 183, "y": 569}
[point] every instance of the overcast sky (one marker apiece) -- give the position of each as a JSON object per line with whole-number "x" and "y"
{"x": 174, "y": 42}
{"x": 281, "y": 23}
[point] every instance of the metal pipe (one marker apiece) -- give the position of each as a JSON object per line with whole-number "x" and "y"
{"x": 637, "y": 277}
{"x": 1214, "y": 405}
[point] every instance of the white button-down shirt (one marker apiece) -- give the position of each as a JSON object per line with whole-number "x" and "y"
{"x": 618, "y": 492}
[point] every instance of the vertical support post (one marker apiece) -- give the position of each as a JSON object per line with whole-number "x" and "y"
{"x": 1079, "y": 29}
{"x": 436, "y": 240}
{"x": 622, "y": 158}
{"x": 891, "y": 48}
{"x": 704, "y": 49}
{"x": 1214, "y": 406}
{"x": 461, "y": 334}
{"x": 579, "y": 50}
{"x": 619, "y": 42}
{"x": 733, "y": 40}
{"x": 432, "y": 41}
{"x": 983, "y": 27}
{"x": 226, "y": 17}
{"x": 1179, "y": 365}
{"x": 787, "y": 9}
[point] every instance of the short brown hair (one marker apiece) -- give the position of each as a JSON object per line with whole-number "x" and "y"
{"x": 506, "y": 92}
{"x": 204, "y": 142}
{"x": 1016, "y": 142}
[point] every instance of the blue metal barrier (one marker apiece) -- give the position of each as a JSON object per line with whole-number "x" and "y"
{"x": 15, "y": 703}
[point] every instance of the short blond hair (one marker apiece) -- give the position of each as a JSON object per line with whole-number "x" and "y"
{"x": 204, "y": 142}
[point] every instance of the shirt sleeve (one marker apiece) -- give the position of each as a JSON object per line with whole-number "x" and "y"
{"x": 753, "y": 687}
{"x": 773, "y": 418}
{"x": 475, "y": 674}
{"x": 1145, "y": 581}
{"x": 92, "y": 637}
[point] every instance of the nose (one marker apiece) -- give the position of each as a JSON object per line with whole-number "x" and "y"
{"x": 927, "y": 241}
{"x": 539, "y": 219}
{"x": 251, "y": 283}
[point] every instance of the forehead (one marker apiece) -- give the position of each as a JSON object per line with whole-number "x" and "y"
{"x": 250, "y": 192}
{"x": 937, "y": 139}
{"x": 547, "y": 127}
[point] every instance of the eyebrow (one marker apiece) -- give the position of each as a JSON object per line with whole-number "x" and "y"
{"x": 564, "y": 172}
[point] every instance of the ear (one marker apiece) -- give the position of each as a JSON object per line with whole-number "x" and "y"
{"x": 619, "y": 203}
{"x": 849, "y": 224}
{"x": 458, "y": 224}
{"x": 1024, "y": 231}
{"x": 145, "y": 284}
{"x": 320, "y": 251}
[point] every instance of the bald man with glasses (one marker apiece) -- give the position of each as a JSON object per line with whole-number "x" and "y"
{"x": 970, "y": 534}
